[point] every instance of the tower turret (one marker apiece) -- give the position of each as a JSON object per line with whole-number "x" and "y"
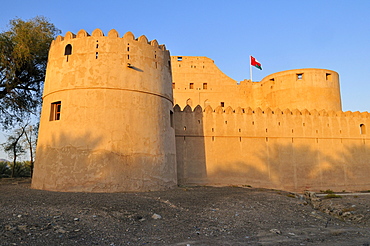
{"x": 106, "y": 117}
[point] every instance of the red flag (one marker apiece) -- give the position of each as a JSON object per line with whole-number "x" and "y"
{"x": 255, "y": 63}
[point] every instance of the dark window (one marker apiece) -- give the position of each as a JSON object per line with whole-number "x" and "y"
{"x": 55, "y": 111}
{"x": 68, "y": 50}
{"x": 179, "y": 58}
{"x": 362, "y": 129}
{"x": 299, "y": 75}
{"x": 173, "y": 86}
{"x": 205, "y": 86}
{"x": 191, "y": 86}
{"x": 222, "y": 104}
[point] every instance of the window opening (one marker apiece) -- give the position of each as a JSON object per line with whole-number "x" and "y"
{"x": 362, "y": 129}
{"x": 68, "y": 50}
{"x": 299, "y": 75}
{"x": 179, "y": 58}
{"x": 328, "y": 76}
{"x": 204, "y": 86}
{"x": 96, "y": 55}
{"x": 191, "y": 86}
{"x": 97, "y": 45}
{"x": 55, "y": 111}
{"x": 173, "y": 86}
{"x": 222, "y": 104}
{"x": 128, "y": 48}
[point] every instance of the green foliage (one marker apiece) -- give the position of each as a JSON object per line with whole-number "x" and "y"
{"x": 21, "y": 169}
{"x": 332, "y": 196}
{"x": 4, "y": 169}
{"x": 23, "y": 58}
{"x": 328, "y": 191}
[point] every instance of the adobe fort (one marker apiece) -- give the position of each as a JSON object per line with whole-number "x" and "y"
{"x": 109, "y": 124}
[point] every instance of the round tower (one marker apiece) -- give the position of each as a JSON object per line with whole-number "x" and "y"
{"x": 308, "y": 88}
{"x": 106, "y": 121}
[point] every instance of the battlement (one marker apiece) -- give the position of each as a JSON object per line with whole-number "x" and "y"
{"x": 269, "y": 111}
{"x": 259, "y": 122}
{"x": 97, "y": 33}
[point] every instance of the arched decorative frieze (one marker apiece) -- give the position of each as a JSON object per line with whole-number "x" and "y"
{"x": 177, "y": 108}
{"x": 129, "y": 35}
{"x": 208, "y": 109}
{"x": 97, "y": 33}
{"x": 69, "y": 35}
{"x": 113, "y": 33}
{"x": 82, "y": 34}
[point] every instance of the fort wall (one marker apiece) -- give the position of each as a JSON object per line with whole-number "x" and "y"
{"x": 106, "y": 118}
{"x": 291, "y": 150}
{"x": 198, "y": 81}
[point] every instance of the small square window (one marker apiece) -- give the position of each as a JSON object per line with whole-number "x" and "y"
{"x": 191, "y": 86}
{"x": 179, "y": 58}
{"x": 328, "y": 76}
{"x": 222, "y": 104}
{"x": 55, "y": 111}
{"x": 299, "y": 75}
{"x": 173, "y": 86}
{"x": 205, "y": 86}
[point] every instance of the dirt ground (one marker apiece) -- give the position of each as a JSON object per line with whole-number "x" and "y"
{"x": 184, "y": 216}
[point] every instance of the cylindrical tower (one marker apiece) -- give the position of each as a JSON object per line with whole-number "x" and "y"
{"x": 106, "y": 121}
{"x": 308, "y": 88}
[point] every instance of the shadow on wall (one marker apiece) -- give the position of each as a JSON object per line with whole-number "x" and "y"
{"x": 190, "y": 146}
{"x": 296, "y": 168}
{"x": 80, "y": 163}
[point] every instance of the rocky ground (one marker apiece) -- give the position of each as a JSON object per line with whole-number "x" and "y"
{"x": 183, "y": 216}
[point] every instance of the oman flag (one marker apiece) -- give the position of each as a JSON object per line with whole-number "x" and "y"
{"x": 255, "y": 63}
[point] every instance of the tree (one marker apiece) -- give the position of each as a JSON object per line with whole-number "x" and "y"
{"x": 23, "y": 58}
{"x": 14, "y": 148}
{"x": 30, "y": 135}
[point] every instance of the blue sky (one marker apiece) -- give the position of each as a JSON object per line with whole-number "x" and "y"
{"x": 281, "y": 34}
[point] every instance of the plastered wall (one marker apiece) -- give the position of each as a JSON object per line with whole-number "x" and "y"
{"x": 290, "y": 150}
{"x": 114, "y": 132}
{"x": 307, "y": 88}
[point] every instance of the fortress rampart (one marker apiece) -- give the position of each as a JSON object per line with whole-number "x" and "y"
{"x": 108, "y": 123}
{"x": 106, "y": 116}
{"x": 198, "y": 81}
{"x": 292, "y": 150}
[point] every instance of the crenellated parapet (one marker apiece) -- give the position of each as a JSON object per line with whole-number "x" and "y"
{"x": 269, "y": 111}
{"x": 111, "y": 34}
{"x": 108, "y": 61}
{"x": 267, "y": 122}
{"x": 288, "y": 149}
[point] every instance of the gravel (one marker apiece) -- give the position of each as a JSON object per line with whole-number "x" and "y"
{"x": 182, "y": 216}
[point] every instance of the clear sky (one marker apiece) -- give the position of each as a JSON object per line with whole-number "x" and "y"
{"x": 281, "y": 34}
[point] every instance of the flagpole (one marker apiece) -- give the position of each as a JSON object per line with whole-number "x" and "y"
{"x": 250, "y": 67}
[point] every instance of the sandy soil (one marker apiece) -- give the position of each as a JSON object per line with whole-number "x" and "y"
{"x": 183, "y": 216}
